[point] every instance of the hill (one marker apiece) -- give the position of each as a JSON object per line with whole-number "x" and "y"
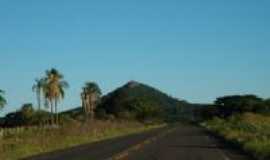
{"x": 137, "y": 100}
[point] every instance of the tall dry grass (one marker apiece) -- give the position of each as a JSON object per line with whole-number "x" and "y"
{"x": 249, "y": 130}
{"x": 34, "y": 141}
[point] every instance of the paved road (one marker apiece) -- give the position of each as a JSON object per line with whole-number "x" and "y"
{"x": 100, "y": 150}
{"x": 187, "y": 143}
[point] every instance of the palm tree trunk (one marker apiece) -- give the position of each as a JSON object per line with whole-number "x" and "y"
{"x": 92, "y": 107}
{"x": 92, "y": 112}
{"x": 39, "y": 100}
{"x": 52, "y": 116}
{"x": 83, "y": 105}
{"x": 56, "y": 113}
{"x": 86, "y": 106}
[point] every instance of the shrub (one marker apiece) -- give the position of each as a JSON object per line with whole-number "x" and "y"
{"x": 252, "y": 131}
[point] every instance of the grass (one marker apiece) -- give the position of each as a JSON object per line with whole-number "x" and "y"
{"x": 35, "y": 141}
{"x": 250, "y": 131}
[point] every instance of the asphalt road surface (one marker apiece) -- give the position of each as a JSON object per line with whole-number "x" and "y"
{"x": 185, "y": 142}
{"x": 99, "y": 150}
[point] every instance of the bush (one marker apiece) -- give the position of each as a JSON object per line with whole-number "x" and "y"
{"x": 101, "y": 113}
{"x": 230, "y": 105}
{"x": 126, "y": 115}
{"x": 252, "y": 131}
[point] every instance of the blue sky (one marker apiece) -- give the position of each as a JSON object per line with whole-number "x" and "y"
{"x": 192, "y": 49}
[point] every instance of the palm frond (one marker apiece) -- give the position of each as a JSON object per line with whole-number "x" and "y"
{"x": 64, "y": 84}
{"x": 92, "y": 87}
{"x": 3, "y": 101}
{"x": 34, "y": 87}
{"x": 62, "y": 93}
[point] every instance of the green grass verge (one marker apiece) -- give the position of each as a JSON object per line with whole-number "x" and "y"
{"x": 37, "y": 141}
{"x": 250, "y": 131}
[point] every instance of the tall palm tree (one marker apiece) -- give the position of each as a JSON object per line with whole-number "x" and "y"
{"x": 54, "y": 90}
{"x": 3, "y": 101}
{"x": 90, "y": 96}
{"x": 37, "y": 88}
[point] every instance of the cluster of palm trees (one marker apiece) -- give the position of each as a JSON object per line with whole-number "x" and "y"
{"x": 50, "y": 88}
{"x": 90, "y": 96}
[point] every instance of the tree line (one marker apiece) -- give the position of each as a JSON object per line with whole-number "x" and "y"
{"x": 227, "y": 106}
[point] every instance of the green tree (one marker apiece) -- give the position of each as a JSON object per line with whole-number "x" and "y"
{"x": 229, "y": 105}
{"x": 54, "y": 90}
{"x": 145, "y": 109}
{"x": 90, "y": 96}
{"x": 3, "y": 101}
{"x": 267, "y": 104}
{"x": 267, "y": 101}
{"x": 38, "y": 89}
{"x": 27, "y": 113}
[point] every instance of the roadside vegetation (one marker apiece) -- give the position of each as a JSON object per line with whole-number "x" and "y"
{"x": 250, "y": 131}
{"x": 37, "y": 140}
{"x": 245, "y": 122}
